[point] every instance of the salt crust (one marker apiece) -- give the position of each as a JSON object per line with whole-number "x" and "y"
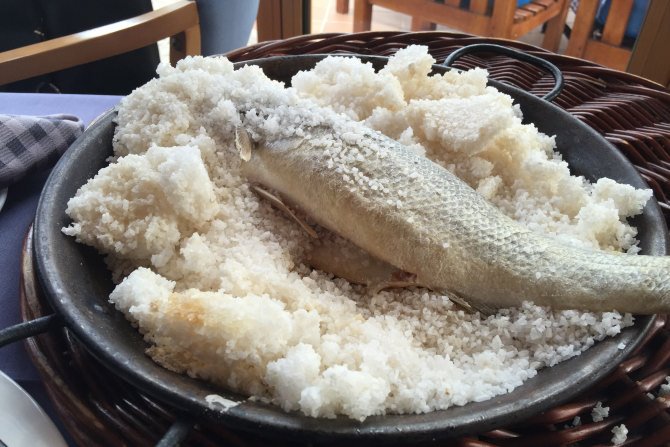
{"x": 220, "y": 401}
{"x": 218, "y": 285}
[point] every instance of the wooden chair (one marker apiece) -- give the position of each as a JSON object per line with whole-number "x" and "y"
{"x": 281, "y": 19}
{"x": 499, "y": 18}
{"x": 342, "y": 6}
{"x": 606, "y": 48}
{"x": 650, "y": 55}
{"x": 179, "y": 20}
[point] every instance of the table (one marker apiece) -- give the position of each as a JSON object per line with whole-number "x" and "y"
{"x": 17, "y": 215}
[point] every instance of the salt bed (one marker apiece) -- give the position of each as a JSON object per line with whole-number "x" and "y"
{"x": 216, "y": 278}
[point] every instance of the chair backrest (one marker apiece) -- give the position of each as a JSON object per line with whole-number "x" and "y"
{"x": 610, "y": 46}
{"x": 179, "y": 19}
{"x": 496, "y": 18}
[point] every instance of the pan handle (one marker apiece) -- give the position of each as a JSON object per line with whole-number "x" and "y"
{"x": 30, "y": 328}
{"x": 516, "y": 54}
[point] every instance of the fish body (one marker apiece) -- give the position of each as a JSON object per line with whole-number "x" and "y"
{"x": 412, "y": 213}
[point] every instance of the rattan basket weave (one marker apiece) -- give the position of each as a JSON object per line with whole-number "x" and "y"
{"x": 633, "y": 113}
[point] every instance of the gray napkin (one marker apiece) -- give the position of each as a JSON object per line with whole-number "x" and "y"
{"x": 31, "y": 143}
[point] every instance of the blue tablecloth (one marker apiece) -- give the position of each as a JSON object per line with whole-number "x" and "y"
{"x": 17, "y": 215}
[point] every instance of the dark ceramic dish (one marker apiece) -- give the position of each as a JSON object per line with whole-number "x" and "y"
{"x": 77, "y": 283}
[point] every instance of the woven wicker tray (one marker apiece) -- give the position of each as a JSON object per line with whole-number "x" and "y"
{"x": 99, "y": 409}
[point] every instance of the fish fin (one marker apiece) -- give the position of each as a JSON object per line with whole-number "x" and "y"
{"x": 347, "y": 261}
{"x": 278, "y": 203}
{"x": 401, "y": 279}
{"x": 243, "y": 143}
{"x": 359, "y": 267}
{"x": 471, "y": 306}
{"x": 398, "y": 279}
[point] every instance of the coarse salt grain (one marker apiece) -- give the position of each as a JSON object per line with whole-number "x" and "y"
{"x": 599, "y": 412}
{"x": 664, "y": 390}
{"x": 620, "y": 434}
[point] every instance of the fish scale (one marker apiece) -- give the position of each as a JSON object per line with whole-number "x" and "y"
{"x": 444, "y": 232}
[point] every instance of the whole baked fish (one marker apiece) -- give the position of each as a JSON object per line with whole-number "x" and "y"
{"x": 410, "y": 212}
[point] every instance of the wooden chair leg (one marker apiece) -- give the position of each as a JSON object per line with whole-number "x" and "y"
{"x": 419, "y": 24}
{"x": 502, "y": 19}
{"x": 362, "y": 15}
{"x": 342, "y": 7}
{"x": 554, "y": 30}
{"x": 581, "y": 30}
